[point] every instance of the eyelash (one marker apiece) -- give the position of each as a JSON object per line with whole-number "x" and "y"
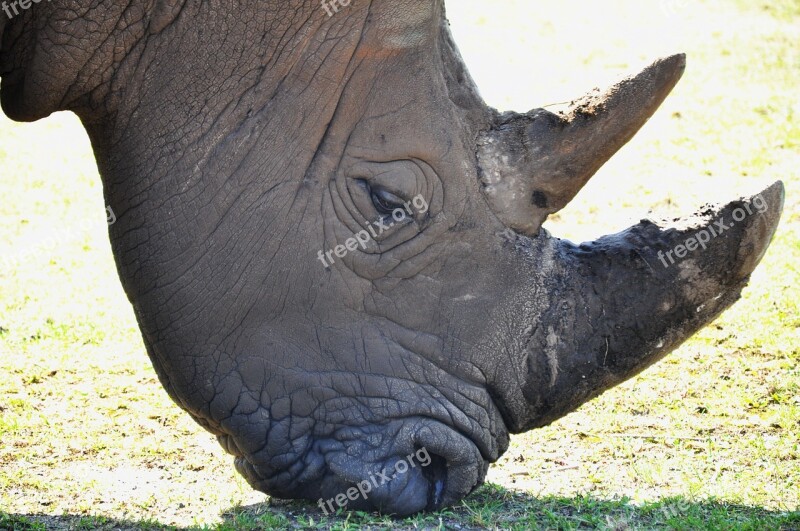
{"x": 385, "y": 202}
{"x": 383, "y": 205}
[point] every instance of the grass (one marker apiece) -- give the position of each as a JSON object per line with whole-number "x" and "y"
{"x": 708, "y": 438}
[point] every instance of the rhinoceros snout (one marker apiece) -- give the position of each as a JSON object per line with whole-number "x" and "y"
{"x": 402, "y": 468}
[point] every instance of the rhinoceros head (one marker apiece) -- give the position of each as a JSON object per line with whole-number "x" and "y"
{"x": 335, "y": 249}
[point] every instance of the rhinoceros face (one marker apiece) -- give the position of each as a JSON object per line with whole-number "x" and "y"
{"x": 334, "y": 248}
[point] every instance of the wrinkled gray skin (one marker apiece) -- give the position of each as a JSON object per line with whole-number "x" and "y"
{"x": 235, "y": 143}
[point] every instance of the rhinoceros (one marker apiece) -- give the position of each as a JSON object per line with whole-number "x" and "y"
{"x": 334, "y": 248}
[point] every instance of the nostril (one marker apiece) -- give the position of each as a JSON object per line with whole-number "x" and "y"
{"x": 436, "y": 474}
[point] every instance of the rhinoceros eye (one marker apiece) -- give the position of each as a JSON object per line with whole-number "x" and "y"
{"x": 385, "y": 202}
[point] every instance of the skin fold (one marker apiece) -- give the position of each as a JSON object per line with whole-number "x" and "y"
{"x": 236, "y": 144}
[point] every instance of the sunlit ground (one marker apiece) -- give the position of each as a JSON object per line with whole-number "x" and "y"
{"x": 708, "y": 435}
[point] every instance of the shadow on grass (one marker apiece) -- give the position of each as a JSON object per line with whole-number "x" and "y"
{"x": 491, "y": 507}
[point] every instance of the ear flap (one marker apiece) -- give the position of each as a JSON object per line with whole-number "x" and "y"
{"x": 533, "y": 164}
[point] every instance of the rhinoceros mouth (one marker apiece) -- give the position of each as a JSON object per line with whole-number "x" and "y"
{"x": 429, "y": 465}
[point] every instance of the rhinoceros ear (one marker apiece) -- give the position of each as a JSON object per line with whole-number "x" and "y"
{"x": 533, "y": 164}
